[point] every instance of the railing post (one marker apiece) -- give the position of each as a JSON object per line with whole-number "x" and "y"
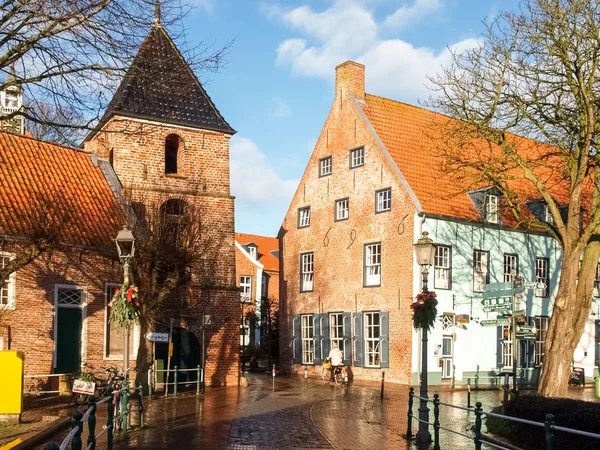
{"x": 150, "y": 382}
{"x": 477, "y": 378}
{"x": 453, "y": 375}
{"x": 141, "y": 390}
{"x": 110, "y": 419}
{"x": 436, "y": 422}
{"x": 125, "y": 406}
{"x": 411, "y": 393}
{"x": 198, "y": 381}
{"x": 175, "y": 382}
{"x": 382, "y": 383}
{"x": 91, "y": 440}
{"x": 549, "y": 432}
{"x": 76, "y": 442}
{"x": 478, "y": 426}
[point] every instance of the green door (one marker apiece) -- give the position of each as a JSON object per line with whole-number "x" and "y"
{"x": 68, "y": 340}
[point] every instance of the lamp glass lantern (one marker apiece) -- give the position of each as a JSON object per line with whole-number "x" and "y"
{"x": 125, "y": 244}
{"x": 425, "y": 250}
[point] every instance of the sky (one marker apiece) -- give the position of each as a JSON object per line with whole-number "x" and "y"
{"x": 277, "y": 86}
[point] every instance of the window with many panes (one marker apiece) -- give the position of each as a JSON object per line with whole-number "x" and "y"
{"x": 342, "y": 209}
{"x": 481, "y": 272}
{"x": 541, "y": 327}
{"x": 597, "y": 282}
{"x": 115, "y": 339}
{"x": 372, "y": 342}
{"x": 511, "y": 267}
{"x": 7, "y": 290}
{"x": 383, "y": 200}
{"x": 307, "y": 269}
{"x": 507, "y": 347}
{"x": 442, "y": 267}
{"x": 548, "y": 218}
{"x": 304, "y": 217}
{"x": 308, "y": 343}
{"x": 252, "y": 251}
{"x": 542, "y": 275}
{"x": 492, "y": 208}
{"x": 357, "y": 157}
{"x": 336, "y": 330}
{"x": 246, "y": 288}
{"x": 325, "y": 166}
{"x": 372, "y": 264}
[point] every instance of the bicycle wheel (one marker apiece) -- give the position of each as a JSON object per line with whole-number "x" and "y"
{"x": 339, "y": 377}
{"x": 325, "y": 374}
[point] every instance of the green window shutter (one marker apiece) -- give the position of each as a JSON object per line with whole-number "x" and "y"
{"x": 297, "y": 339}
{"x": 317, "y": 338}
{"x": 347, "y": 320}
{"x": 358, "y": 343}
{"x": 325, "y": 338}
{"x": 384, "y": 340}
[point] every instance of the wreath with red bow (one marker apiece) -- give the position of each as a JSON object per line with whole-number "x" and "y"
{"x": 424, "y": 310}
{"x": 125, "y": 306}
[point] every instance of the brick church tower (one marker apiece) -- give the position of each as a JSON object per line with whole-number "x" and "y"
{"x": 168, "y": 143}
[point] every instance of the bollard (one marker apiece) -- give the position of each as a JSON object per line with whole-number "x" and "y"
{"x": 150, "y": 382}
{"x": 506, "y": 389}
{"x": 141, "y": 407}
{"x": 549, "y": 432}
{"x": 478, "y": 426}
{"x": 468, "y": 392}
{"x": 436, "y": 422}
{"x": 175, "y": 382}
{"x": 305, "y": 378}
{"x": 110, "y": 417}
{"x": 76, "y": 442}
{"x": 91, "y": 441}
{"x": 273, "y": 376}
{"x": 410, "y": 413}
{"x": 453, "y": 375}
{"x": 477, "y": 378}
{"x": 198, "y": 381}
{"x": 125, "y": 407}
{"x": 382, "y": 383}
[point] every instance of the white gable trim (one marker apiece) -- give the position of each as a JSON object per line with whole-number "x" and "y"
{"x": 247, "y": 255}
{"x": 386, "y": 153}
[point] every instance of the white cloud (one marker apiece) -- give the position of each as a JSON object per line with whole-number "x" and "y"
{"x": 253, "y": 179}
{"x": 410, "y": 15}
{"x": 282, "y": 109}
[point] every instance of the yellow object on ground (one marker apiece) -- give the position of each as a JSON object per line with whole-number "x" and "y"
{"x": 11, "y": 444}
{"x": 11, "y": 384}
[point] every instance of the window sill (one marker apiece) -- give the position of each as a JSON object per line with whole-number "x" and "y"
{"x": 8, "y": 307}
{"x": 176, "y": 175}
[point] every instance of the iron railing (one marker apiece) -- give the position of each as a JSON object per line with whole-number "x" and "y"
{"x": 152, "y": 383}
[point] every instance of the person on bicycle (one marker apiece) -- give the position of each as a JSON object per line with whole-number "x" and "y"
{"x": 336, "y": 357}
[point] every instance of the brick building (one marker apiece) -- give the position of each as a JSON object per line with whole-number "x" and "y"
{"x": 161, "y": 139}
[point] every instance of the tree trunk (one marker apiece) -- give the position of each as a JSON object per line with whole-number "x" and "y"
{"x": 570, "y": 311}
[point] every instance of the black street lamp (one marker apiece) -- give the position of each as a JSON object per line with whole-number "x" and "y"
{"x": 424, "y": 254}
{"x": 126, "y": 249}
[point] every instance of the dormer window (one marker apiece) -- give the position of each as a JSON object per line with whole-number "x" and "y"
{"x": 548, "y": 218}
{"x": 171, "y": 151}
{"x": 492, "y": 208}
{"x": 252, "y": 251}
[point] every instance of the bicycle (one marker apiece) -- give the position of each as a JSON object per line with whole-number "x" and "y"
{"x": 339, "y": 372}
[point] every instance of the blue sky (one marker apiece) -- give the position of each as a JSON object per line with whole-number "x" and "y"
{"x": 277, "y": 87}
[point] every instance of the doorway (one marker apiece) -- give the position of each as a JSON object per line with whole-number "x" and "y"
{"x": 68, "y": 328}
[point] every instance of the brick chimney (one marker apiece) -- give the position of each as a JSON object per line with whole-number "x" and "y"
{"x": 350, "y": 79}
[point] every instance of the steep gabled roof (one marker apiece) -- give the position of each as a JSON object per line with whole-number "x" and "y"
{"x": 161, "y": 86}
{"x": 39, "y": 179}
{"x": 266, "y": 247}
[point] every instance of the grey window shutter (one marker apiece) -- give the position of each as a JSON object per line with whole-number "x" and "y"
{"x": 537, "y": 208}
{"x": 384, "y": 340}
{"x": 325, "y": 341}
{"x": 317, "y": 338}
{"x": 358, "y": 344}
{"x": 499, "y": 348}
{"x": 297, "y": 340}
{"x": 347, "y": 320}
{"x": 478, "y": 199}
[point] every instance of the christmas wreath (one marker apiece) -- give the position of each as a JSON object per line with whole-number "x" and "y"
{"x": 125, "y": 306}
{"x": 424, "y": 310}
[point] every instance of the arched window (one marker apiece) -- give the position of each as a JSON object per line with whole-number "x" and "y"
{"x": 171, "y": 151}
{"x": 173, "y": 208}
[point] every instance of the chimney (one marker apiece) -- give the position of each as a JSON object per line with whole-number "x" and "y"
{"x": 350, "y": 80}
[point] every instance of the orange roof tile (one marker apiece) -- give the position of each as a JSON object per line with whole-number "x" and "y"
{"x": 265, "y": 246}
{"x": 38, "y": 177}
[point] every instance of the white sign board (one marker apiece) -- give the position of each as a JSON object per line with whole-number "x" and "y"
{"x": 153, "y": 336}
{"x": 84, "y": 387}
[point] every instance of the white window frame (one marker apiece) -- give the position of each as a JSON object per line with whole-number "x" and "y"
{"x": 252, "y": 251}
{"x": 308, "y": 339}
{"x": 336, "y": 330}
{"x": 342, "y": 209}
{"x": 548, "y": 218}
{"x": 481, "y": 269}
{"x": 542, "y": 275}
{"x": 442, "y": 267}
{"x": 492, "y": 208}
{"x": 246, "y": 288}
{"x": 507, "y": 347}
{"x": 372, "y": 261}
{"x": 357, "y": 157}
{"x": 304, "y": 217}
{"x": 134, "y": 334}
{"x": 372, "y": 343}
{"x": 513, "y": 270}
{"x": 11, "y": 286}
{"x": 325, "y": 166}
{"x": 447, "y": 338}
{"x": 541, "y": 325}
{"x": 307, "y": 272}
{"x": 83, "y": 306}
{"x": 383, "y": 200}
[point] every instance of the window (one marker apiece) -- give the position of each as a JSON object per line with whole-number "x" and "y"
{"x": 357, "y": 157}
{"x": 446, "y": 347}
{"x": 492, "y": 208}
{"x": 597, "y": 282}
{"x": 507, "y": 347}
{"x": 245, "y": 332}
{"x": 252, "y": 251}
{"x": 246, "y": 288}
{"x": 548, "y": 218}
{"x": 448, "y": 323}
{"x": 304, "y": 217}
{"x": 7, "y": 290}
{"x": 372, "y": 264}
{"x": 481, "y": 272}
{"x": 383, "y": 200}
{"x": 171, "y": 153}
{"x": 342, "y": 209}
{"x": 542, "y": 276}
{"x": 308, "y": 343}
{"x": 325, "y": 166}
{"x": 336, "y": 330}
{"x": 115, "y": 339}
{"x": 372, "y": 352}
{"x": 11, "y": 99}
{"x": 442, "y": 267}
{"x": 541, "y": 326}
{"x": 307, "y": 268}
{"x": 511, "y": 267}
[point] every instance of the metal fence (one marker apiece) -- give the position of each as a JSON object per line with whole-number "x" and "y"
{"x": 152, "y": 383}
{"x": 548, "y": 425}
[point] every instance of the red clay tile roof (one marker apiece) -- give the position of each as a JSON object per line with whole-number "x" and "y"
{"x": 265, "y": 246}
{"x": 39, "y": 176}
{"x": 408, "y": 133}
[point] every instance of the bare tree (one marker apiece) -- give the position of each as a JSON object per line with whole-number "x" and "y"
{"x": 535, "y": 74}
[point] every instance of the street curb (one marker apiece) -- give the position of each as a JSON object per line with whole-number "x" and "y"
{"x": 54, "y": 428}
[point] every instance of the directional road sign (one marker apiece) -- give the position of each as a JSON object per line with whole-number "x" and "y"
{"x": 496, "y": 301}
{"x": 520, "y": 312}
{"x": 153, "y": 336}
{"x": 526, "y": 337}
{"x": 495, "y": 323}
{"x": 495, "y": 308}
{"x": 526, "y": 329}
{"x": 533, "y": 285}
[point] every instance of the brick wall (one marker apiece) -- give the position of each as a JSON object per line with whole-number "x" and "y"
{"x": 338, "y": 246}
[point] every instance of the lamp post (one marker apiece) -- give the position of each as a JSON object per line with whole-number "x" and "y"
{"x": 126, "y": 249}
{"x": 424, "y": 254}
